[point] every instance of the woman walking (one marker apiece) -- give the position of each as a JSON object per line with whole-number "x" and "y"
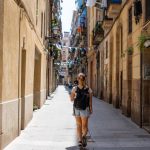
{"x": 81, "y": 95}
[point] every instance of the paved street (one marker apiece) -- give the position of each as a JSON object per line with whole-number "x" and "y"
{"x": 53, "y": 128}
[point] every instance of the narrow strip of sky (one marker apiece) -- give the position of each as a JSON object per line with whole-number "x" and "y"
{"x": 67, "y": 12}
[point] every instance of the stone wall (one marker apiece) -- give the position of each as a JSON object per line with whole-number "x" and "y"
{"x": 123, "y": 72}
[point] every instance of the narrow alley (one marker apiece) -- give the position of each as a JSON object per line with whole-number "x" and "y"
{"x": 53, "y": 128}
{"x": 49, "y": 46}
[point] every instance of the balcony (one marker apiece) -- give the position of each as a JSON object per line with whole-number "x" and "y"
{"x": 107, "y": 23}
{"x": 84, "y": 31}
{"x": 83, "y": 41}
{"x": 98, "y": 33}
{"x": 114, "y": 7}
{"x": 76, "y": 39}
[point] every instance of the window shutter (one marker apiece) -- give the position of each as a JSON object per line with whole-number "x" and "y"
{"x": 147, "y": 10}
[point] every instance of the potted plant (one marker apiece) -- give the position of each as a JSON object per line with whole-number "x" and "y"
{"x": 130, "y": 50}
{"x": 141, "y": 40}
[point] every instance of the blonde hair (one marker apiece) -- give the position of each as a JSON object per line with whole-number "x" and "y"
{"x": 83, "y": 75}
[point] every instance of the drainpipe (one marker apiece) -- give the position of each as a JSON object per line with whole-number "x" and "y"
{"x": 141, "y": 89}
{"x": 48, "y": 66}
{"x": 19, "y": 60}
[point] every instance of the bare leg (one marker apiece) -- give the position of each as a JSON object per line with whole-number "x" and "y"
{"x": 79, "y": 127}
{"x": 84, "y": 125}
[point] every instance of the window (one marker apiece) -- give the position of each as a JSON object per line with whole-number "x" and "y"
{"x": 121, "y": 40}
{"x": 44, "y": 25}
{"x": 147, "y": 5}
{"x": 130, "y": 20}
{"x": 37, "y": 7}
{"x": 46, "y": 28}
{"x": 106, "y": 82}
{"x": 93, "y": 11}
{"x": 41, "y": 24}
{"x": 106, "y": 49}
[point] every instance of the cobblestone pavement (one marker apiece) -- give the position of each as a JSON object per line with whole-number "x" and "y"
{"x": 53, "y": 128}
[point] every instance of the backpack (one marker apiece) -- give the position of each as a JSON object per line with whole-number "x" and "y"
{"x": 82, "y": 98}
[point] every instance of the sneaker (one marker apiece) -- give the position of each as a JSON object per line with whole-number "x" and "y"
{"x": 84, "y": 141}
{"x": 80, "y": 143}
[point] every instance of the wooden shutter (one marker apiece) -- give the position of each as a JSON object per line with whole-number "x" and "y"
{"x": 147, "y": 10}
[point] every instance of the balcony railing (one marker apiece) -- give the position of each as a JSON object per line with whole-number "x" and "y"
{"x": 114, "y": 7}
{"x": 84, "y": 31}
{"x": 98, "y": 33}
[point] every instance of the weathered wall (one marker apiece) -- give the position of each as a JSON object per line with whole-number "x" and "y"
{"x": 10, "y": 74}
{"x": 1, "y": 64}
{"x": 129, "y": 65}
{"x": 1, "y": 44}
{"x": 21, "y": 36}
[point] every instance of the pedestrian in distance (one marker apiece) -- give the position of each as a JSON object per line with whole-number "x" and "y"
{"x": 75, "y": 82}
{"x": 70, "y": 87}
{"x": 81, "y": 95}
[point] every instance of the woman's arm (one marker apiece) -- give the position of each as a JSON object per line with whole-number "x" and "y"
{"x": 91, "y": 107}
{"x": 72, "y": 95}
{"x": 90, "y": 102}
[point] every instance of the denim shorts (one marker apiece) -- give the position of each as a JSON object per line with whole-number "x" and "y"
{"x": 81, "y": 113}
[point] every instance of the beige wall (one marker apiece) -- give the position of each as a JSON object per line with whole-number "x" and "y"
{"x": 91, "y": 12}
{"x": 1, "y": 45}
{"x": 129, "y": 65}
{"x": 1, "y": 64}
{"x": 116, "y": 65}
{"x": 16, "y": 93}
{"x": 10, "y": 73}
{"x": 10, "y": 51}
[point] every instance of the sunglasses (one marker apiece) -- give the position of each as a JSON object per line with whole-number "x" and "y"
{"x": 82, "y": 78}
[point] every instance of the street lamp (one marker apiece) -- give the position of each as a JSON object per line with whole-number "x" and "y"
{"x": 147, "y": 44}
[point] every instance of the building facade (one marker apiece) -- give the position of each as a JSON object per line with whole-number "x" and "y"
{"x": 54, "y": 40}
{"x": 64, "y": 57}
{"x": 78, "y": 41}
{"x": 122, "y": 56}
{"x": 23, "y": 63}
{"x": 92, "y": 21}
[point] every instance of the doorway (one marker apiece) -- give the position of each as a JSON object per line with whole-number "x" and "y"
{"x": 121, "y": 89}
{"x": 23, "y": 79}
{"x": 91, "y": 75}
{"x": 111, "y": 63}
{"x": 37, "y": 79}
{"x": 145, "y": 89}
{"x": 98, "y": 75}
{"x": 119, "y": 68}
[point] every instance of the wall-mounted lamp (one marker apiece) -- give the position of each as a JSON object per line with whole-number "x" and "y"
{"x": 147, "y": 44}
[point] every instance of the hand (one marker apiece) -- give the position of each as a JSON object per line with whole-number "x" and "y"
{"x": 91, "y": 110}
